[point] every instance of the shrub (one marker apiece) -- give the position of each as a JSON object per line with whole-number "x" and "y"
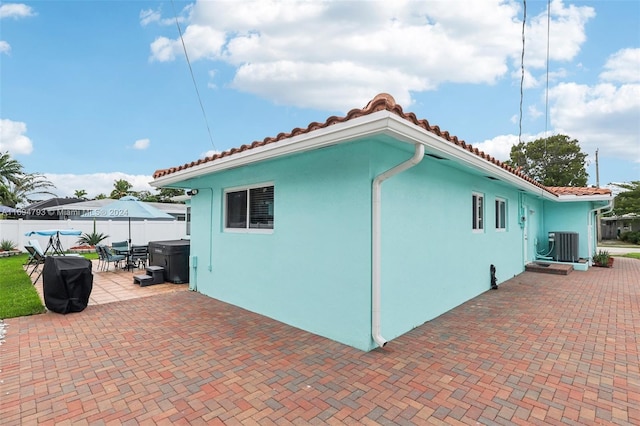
{"x": 631, "y": 237}
{"x": 92, "y": 239}
{"x": 7, "y": 245}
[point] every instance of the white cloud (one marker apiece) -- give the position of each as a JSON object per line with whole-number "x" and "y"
{"x": 16, "y": 10}
{"x": 96, "y": 183}
{"x": 209, "y": 153}
{"x": 148, "y": 16}
{"x": 601, "y": 116}
{"x": 566, "y": 34}
{"x": 201, "y": 42}
{"x": 4, "y": 47}
{"x": 314, "y": 54}
{"x": 141, "y": 144}
{"x": 500, "y": 146}
{"x": 13, "y": 138}
{"x": 623, "y": 67}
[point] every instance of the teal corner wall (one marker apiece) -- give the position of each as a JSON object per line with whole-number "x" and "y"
{"x": 314, "y": 270}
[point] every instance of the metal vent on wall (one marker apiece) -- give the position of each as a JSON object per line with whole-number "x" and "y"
{"x": 565, "y": 246}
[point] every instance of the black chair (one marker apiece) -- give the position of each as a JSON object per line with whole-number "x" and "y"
{"x": 138, "y": 256}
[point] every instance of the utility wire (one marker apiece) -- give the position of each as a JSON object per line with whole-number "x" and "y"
{"x": 524, "y": 21}
{"x": 546, "y": 106}
{"x": 184, "y": 47}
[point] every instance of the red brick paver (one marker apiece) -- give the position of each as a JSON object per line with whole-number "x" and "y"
{"x": 542, "y": 349}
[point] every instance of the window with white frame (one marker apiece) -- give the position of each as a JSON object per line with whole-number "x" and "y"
{"x": 477, "y": 202}
{"x": 249, "y": 208}
{"x": 501, "y": 214}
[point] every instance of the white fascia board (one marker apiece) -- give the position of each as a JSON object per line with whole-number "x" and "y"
{"x": 595, "y": 197}
{"x": 416, "y": 134}
{"x": 356, "y": 128}
{"x": 380, "y": 122}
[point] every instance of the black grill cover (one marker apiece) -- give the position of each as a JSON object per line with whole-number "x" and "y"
{"x": 67, "y": 283}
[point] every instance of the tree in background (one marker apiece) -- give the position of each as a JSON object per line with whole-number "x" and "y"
{"x": 121, "y": 188}
{"x": 80, "y": 193}
{"x": 552, "y": 161}
{"x": 30, "y": 188}
{"x": 18, "y": 187}
{"x": 627, "y": 201}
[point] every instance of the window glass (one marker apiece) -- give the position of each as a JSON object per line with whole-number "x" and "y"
{"x": 237, "y": 209}
{"x": 477, "y": 202}
{"x": 261, "y": 207}
{"x": 501, "y": 214}
{"x": 250, "y": 208}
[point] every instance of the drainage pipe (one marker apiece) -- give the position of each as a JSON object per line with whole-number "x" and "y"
{"x": 376, "y": 230}
{"x": 605, "y": 209}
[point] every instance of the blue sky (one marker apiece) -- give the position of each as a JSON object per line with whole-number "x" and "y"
{"x": 94, "y": 91}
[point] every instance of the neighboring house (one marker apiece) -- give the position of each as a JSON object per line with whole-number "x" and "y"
{"x": 612, "y": 226}
{"x": 74, "y": 211}
{"x": 40, "y": 210}
{"x": 366, "y": 226}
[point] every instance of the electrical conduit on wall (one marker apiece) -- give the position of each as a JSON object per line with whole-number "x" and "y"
{"x": 376, "y": 248}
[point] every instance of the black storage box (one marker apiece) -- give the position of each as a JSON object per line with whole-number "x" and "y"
{"x": 173, "y": 256}
{"x": 67, "y": 283}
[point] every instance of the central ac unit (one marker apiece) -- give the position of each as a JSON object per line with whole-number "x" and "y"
{"x": 565, "y": 246}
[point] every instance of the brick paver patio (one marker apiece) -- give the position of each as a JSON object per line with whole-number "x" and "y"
{"x": 542, "y": 349}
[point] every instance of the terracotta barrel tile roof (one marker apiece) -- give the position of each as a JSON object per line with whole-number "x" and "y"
{"x": 382, "y": 102}
{"x": 570, "y": 190}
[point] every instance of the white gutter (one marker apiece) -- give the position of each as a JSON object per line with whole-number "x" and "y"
{"x": 376, "y": 230}
{"x": 377, "y": 123}
{"x": 591, "y": 247}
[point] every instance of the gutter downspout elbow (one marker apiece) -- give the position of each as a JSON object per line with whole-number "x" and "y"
{"x": 376, "y": 246}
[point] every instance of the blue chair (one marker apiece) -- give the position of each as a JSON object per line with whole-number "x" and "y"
{"x": 101, "y": 256}
{"x": 111, "y": 257}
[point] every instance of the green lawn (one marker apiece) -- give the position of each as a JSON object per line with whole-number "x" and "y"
{"x": 18, "y": 296}
{"x": 632, "y": 255}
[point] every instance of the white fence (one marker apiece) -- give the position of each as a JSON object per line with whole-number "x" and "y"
{"x": 141, "y": 231}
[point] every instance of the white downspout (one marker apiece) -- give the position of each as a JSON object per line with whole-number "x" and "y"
{"x": 591, "y": 247}
{"x": 376, "y": 231}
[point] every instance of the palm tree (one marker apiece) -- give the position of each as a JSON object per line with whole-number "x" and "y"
{"x": 121, "y": 188}
{"x": 10, "y": 172}
{"x": 28, "y": 186}
{"x": 80, "y": 193}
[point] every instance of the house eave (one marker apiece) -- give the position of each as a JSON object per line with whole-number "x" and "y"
{"x": 378, "y": 123}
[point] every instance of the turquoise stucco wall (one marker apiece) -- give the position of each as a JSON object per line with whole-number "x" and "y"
{"x": 313, "y": 271}
{"x": 569, "y": 217}
{"x": 432, "y": 261}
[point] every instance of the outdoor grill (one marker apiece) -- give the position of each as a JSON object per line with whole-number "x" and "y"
{"x": 67, "y": 283}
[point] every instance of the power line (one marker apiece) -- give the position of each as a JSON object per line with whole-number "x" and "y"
{"x": 184, "y": 47}
{"x": 524, "y": 20}
{"x": 546, "y": 106}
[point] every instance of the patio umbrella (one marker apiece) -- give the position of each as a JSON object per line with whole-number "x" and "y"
{"x": 129, "y": 207}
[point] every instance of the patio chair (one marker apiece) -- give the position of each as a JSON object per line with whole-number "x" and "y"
{"x": 138, "y": 256}
{"x": 101, "y": 256}
{"x": 36, "y": 258}
{"x": 111, "y": 257}
{"x": 120, "y": 246}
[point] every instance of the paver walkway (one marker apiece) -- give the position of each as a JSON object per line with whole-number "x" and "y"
{"x": 542, "y": 349}
{"x": 116, "y": 285}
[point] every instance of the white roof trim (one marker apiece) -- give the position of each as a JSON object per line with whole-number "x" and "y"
{"x": 380, "y": 122}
